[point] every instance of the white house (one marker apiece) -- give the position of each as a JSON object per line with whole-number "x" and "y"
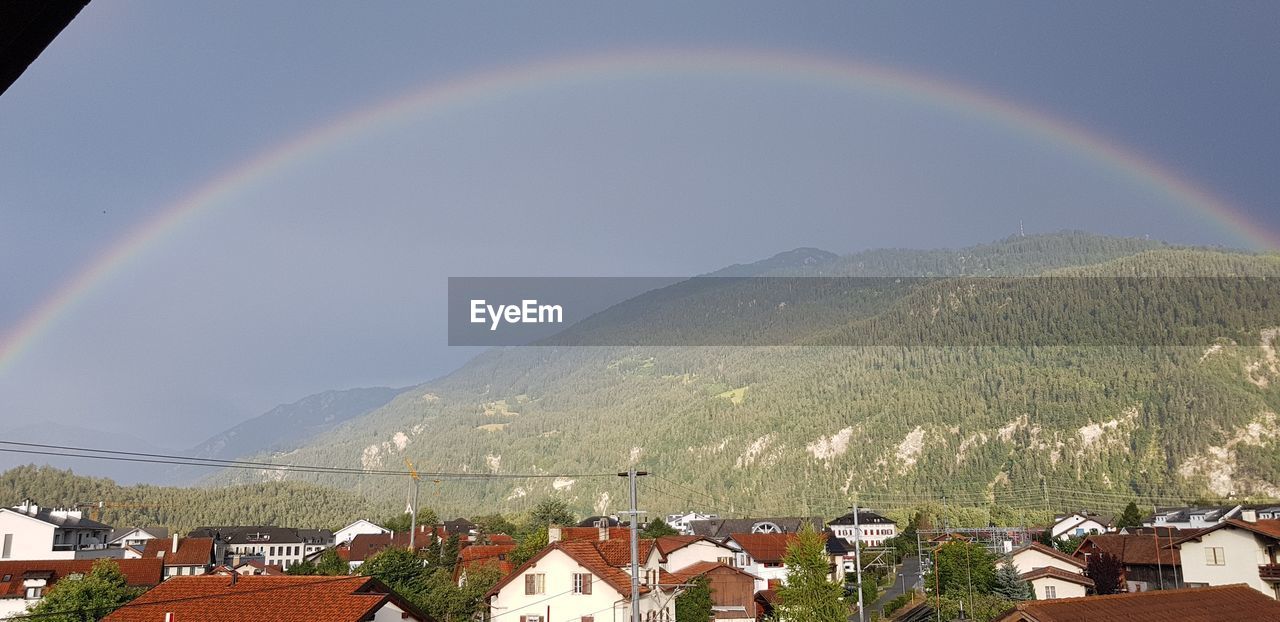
{"x": 679, "y": 552}
{"x": 1051, "y": 573}
{"x": 581, "y": 581}
{"x": 346, "y": 534}
{"x": 874, "y": 527}
{"x": 680, "y": 522}
{"x": 761, "y": 555}
{"x": 277, "y": 546}
{"x": 28, "y": 531}
{"x": 1234, "y": 551}
{"x": 1078, "y": 524}
{"x": 183, "y": 556}
{"x": 135, "y": 537}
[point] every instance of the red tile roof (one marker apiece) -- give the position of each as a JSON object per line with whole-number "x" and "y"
{"x": 697, "y": 569}
{"x": 485, "y": 554}
{"x": 670, "y": 544}
{"x": 1051, "y": 552}
{"x": 1057, "y": 573}
{"x": 191, "y": 551}
{"x": 1130, "y": 549}
{"x": 1226, "y": 603}
{"x": 766, "y": 548}
{"x": 137, "y": 572}
{"x": 587, "y": 554}
{"x": 278, "y": 599}
{"x": 618, "y": 552}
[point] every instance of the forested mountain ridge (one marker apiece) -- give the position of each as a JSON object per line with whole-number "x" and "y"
{"x": 801, "y": 428}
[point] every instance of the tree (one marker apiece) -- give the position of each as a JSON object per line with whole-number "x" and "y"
{"x": 1068, "y": 545}
{"x": 808, "y": 595}
{"x": 962, "y": 568}
{"x": 330, "y": 564}
{"x": 401, "y": 569}
{"x": 92, "y": 596}
{"x": 1008, "y": 584}
{"x": 528, "y": 544}
{"x": 449, "y": 552}
{"x": 305, "y": 568}
{"x": 1130, "y": 517}
{"x": 694, "y": 603}
{"x": 1107, "y": 573}
{"x": 400, "y": 522}
{"x": 494, "y": 523}
{"x": 551, "y": 512}
{"x": 658, "y": 528}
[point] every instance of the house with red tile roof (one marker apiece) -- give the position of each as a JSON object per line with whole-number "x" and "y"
{"x": 582, "y": 580}
{"x": 477, "y": 555}
{"x": 1051, "y": 573}
{"x": 732, "y": 590}
{"x": 182, "y": 556}
{"x": 1150, "y": 562}
{"x": 1231, "y": 603}
{"x": 683, "y": 551}
{"x": 761, "y": 555}
{"x": 1234, "y": 551}
{"x": 23, "y": 583}
{"x": 215, "y": 598}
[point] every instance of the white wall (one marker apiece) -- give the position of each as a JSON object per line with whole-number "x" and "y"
{"x": 1242, "y": 555}
{"x": 346, "y": 534}
{"x": 1062, "y": 589}
{"x": 1030, "y": 559}
{"x": 558, "y": 568}
{"x": 32, "y": 539}
{"x": 1069, "y": 526}
{"x": 700, "y": 551}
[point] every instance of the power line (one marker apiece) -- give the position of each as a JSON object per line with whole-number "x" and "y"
{"x": 154, "y": 458}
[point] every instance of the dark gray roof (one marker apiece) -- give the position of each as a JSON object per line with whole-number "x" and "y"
{"x": 262, "y": 534}
{"x": 865, "y": 517}
{"x": 100, "y": 554}
{"x": 64, "y": 521}
{"x": 722, "y": 527}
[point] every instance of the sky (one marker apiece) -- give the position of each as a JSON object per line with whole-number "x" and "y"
{"x": 329, "y": 270}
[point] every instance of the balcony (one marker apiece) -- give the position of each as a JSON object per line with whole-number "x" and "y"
{"x": 1269, "y": 572}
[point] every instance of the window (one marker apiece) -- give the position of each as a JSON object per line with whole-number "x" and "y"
{"x": 530, "y": 618}
{"x": 535, "y": 584}
{"x": 8, "y": 546}
{"x": 582, "y": 583}
{"x": 34, "y": 592}
{"x": 1214, "y": 556}
{"x": 1050, "y": 591}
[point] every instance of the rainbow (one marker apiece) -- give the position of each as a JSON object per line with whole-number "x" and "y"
{"x": 438, "y": 98}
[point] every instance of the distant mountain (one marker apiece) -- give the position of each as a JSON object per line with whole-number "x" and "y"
{"x": 288, "y": 426}
{"x": 802, "y": 428}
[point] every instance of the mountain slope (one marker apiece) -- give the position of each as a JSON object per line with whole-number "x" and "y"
{"x": 795, "y": 428}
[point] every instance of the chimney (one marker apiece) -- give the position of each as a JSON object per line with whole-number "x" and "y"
{"x": 604, "y": 530}
{"x": 553, "y": 534}
{"x": 1249, "y": 516}
{"x": 168, "y": 616}
{"x": 175, "y": 543}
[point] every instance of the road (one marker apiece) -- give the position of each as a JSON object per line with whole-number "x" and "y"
{"x": 911, "y": 568}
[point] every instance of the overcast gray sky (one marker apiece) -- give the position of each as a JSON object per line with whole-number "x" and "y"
{"x": 330, "y": 272}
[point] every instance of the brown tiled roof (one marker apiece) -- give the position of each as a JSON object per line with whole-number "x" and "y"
{"x": 485, "y": 554}
{"x": 365, "y": 545}
{"x": 1131, "y": 550}
{"x": 279, "y": 599}
{"x": 137, "y": 572}
{"x": 1052, "y": 552}
{"x": 697, "y": 569}
{"x": 191, "y": 551}
{"x": 1229, "y": 603}
{"x": 618, "y": 552}
{"x": 1057, "y": 573}
{"x": 587, "y": 554}
{"x": 669, "y": 544}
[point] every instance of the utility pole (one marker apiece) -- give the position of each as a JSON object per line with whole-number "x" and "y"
{"x": 857, "y": 555}
{"x": 413, "y": 509}
{"x": 631, "y": 476}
